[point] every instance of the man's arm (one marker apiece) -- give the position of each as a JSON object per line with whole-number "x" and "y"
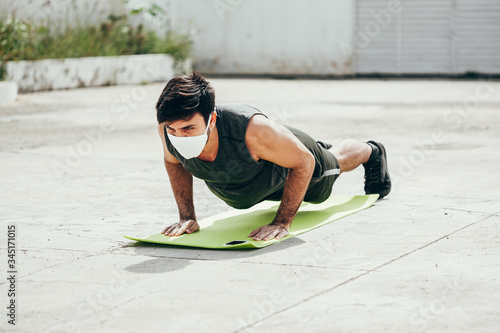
{"x": 272, "y": 142}
{"x": 181, "y": 181}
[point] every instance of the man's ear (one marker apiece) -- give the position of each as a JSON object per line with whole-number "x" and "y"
{"x": 214, "y": 118}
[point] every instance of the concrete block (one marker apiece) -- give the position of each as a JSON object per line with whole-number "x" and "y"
{"x": 8, "y": 91}
{"x": 54, "y": 74}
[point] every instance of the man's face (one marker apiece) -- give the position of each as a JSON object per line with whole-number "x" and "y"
{"x": 192, "y": 127}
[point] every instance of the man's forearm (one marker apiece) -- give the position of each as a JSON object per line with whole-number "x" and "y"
{"x": 182, "y": 186}
{"x": 296, "y": 186}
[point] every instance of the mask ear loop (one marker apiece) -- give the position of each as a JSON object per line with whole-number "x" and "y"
{"x": 209, "y": 120}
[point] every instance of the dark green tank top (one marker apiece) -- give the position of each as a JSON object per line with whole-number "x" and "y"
{"x": 234, "y": 176}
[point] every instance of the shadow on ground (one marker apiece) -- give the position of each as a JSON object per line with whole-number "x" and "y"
{"x": 183, "y": 255}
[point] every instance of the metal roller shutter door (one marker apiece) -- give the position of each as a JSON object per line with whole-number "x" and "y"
{"x": 427, "y": 37}
{"x": 478, "y": 36}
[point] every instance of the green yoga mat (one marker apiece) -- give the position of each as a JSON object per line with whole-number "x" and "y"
{"x": 230, "y": 230}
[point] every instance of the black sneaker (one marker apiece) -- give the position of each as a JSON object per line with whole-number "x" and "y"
{"x": 377, "y": 180}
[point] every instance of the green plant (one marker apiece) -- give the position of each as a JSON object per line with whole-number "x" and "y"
{"x": 21, "y": 41}
{"x": 14, "y": 40}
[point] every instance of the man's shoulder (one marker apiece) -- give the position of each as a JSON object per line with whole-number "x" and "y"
{"x": 238, "y": 109}
{"x": 233, "y": 115}
{"x": 233, "y": 119}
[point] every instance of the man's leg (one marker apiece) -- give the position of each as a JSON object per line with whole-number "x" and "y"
{"x": 352, "y": 153}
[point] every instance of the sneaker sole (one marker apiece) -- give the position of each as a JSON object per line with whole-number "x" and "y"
{"x": 384, "y": 156}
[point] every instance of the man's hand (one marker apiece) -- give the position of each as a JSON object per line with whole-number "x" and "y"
{"x": 269, "y": 231}
{"x": 177, "y": 229}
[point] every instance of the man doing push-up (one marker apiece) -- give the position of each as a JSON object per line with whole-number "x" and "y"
{"x": 245, "y": 158}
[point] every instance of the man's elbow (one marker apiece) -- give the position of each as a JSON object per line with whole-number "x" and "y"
{"x": 308, "y": 162}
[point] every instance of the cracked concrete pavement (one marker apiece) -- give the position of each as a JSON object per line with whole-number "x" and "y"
{"x": 81, "y": 168}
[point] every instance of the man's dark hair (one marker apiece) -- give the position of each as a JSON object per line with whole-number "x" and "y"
{"x": 183, "y": 96}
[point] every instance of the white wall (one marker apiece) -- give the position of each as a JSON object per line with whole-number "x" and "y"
{"x": 61, "y": 13}
{"x": 267, "y": 36}
{"x": 230, "y": 36}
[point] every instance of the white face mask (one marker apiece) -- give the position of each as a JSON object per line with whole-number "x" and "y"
{"x": 190, "y": 146}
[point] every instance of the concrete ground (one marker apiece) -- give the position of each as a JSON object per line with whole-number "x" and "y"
{"x": 81, "y": 168}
